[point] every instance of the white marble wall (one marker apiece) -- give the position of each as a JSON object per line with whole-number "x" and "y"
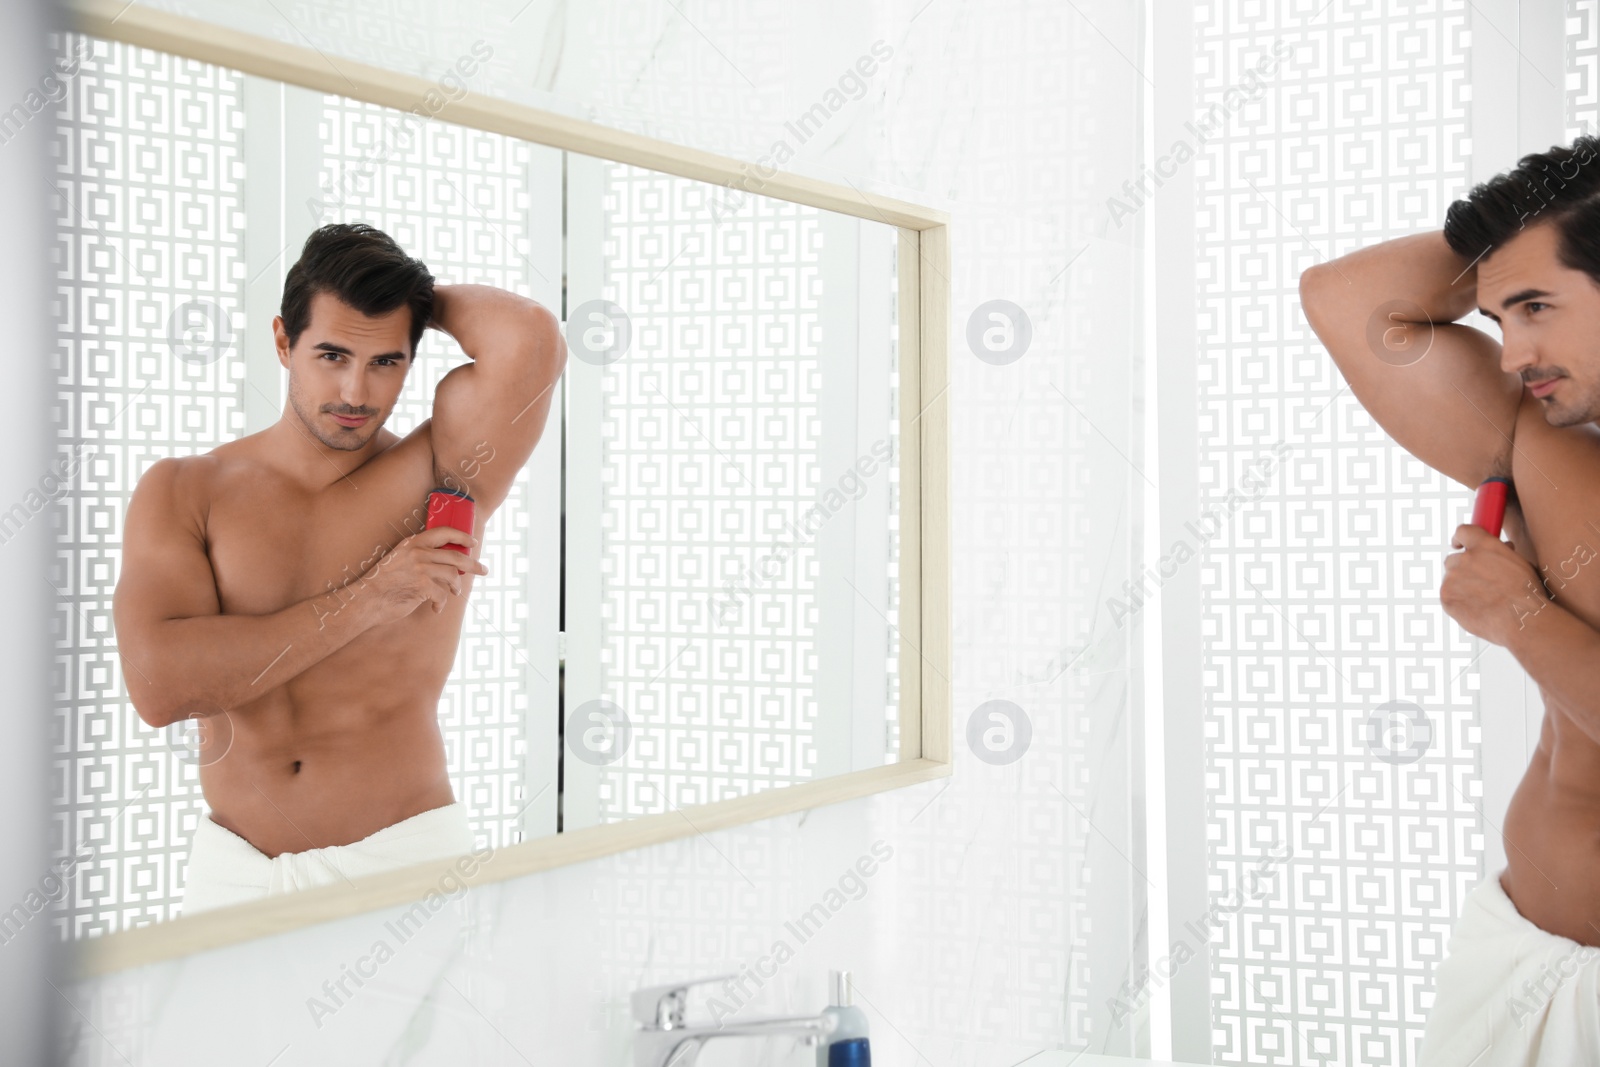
{"x": 1010, "y": 908}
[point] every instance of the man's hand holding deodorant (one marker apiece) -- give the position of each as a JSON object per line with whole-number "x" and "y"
{"x": 1488, "y": 588}
{"x": 416, "y": 569}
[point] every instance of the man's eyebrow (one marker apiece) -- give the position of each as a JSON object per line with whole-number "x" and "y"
{"x": 329, "y": 346}
{"x": 1515, "y": 298}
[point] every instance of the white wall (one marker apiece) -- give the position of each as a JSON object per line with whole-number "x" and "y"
{"x": 973, "y": 943}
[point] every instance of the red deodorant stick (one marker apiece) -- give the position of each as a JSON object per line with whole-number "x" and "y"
{"x": 453, "y": 508}
{"x": 1489, "y": 508}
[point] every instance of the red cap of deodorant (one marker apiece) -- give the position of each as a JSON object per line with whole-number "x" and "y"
{"x": 1489, "y": 507}
{"x": 453, "y": 508}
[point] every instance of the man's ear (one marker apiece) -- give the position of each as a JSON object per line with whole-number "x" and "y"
{"x": 280, "y": 341}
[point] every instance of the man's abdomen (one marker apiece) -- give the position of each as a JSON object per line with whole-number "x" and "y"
{"x": 1552, "y": 845}
{"x": 295, "y": 778}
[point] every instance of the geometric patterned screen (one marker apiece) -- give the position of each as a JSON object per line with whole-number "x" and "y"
{"x": 1583, "y": 67}
{"x": 660, "y": 412}
{"x": 1342, "y": 720}
{"x": 714, "y": 490}
{"x": 148, "y": 257}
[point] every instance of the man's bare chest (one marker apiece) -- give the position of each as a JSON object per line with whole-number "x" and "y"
{"x": 1556, "y": 524}
{"x": 272, "y": 544}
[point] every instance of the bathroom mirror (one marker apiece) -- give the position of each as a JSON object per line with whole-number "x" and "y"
{"x": 719, "y": 589}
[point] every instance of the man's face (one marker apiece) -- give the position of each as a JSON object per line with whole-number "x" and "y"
{"x": 346, "y": 364}
{"x": 1549, "y": 318}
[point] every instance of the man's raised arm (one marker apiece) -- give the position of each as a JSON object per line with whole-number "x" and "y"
{"x": 1386, "y": 315}
{"x": 183, "y": 658}
{"x": 489, "y": 414}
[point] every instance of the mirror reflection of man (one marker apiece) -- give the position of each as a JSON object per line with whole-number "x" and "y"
{"x": 282, "y": 588}
{"x": 1523, "y": 250}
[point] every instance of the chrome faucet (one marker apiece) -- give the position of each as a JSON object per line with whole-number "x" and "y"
{"x": 663, "y": 1040}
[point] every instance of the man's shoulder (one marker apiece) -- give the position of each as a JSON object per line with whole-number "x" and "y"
{"x": 185, "y": 486}
{"x": 202, "y": 466}
{"x": 184, "y": 473}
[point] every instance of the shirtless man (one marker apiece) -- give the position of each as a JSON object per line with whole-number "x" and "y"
{"x": 280, "y": 587}
{"x": 1524, "y": 407}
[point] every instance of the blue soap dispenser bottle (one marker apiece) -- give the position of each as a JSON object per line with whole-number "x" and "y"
{"x": 849, "y": 1023}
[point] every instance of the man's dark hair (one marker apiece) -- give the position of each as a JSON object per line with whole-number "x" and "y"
{"x": 1561, "y": 186}
{"x": 364, "y": 268}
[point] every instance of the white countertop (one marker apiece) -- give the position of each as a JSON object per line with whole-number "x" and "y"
{"x": 1093, "y": 1059}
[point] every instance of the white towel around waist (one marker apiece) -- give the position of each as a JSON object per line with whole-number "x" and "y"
{"x": 1510, "y": 994}
{"x": 226, "y": 869}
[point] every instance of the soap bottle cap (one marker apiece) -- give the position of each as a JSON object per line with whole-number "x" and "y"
{"x": 852, "y": 1053}
{"x": 841, "y": 991}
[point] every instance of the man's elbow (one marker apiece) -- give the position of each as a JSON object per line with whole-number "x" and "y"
{"x": 1311, "y": 284}
{"x": 151, "y": 705}
{"x": 1319, "y": 299}
{"x": 151, "y": 699}
{"x": 548, "y": 345}
{"x": 162, "y": 710}
{"x": 156, "y": 713}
